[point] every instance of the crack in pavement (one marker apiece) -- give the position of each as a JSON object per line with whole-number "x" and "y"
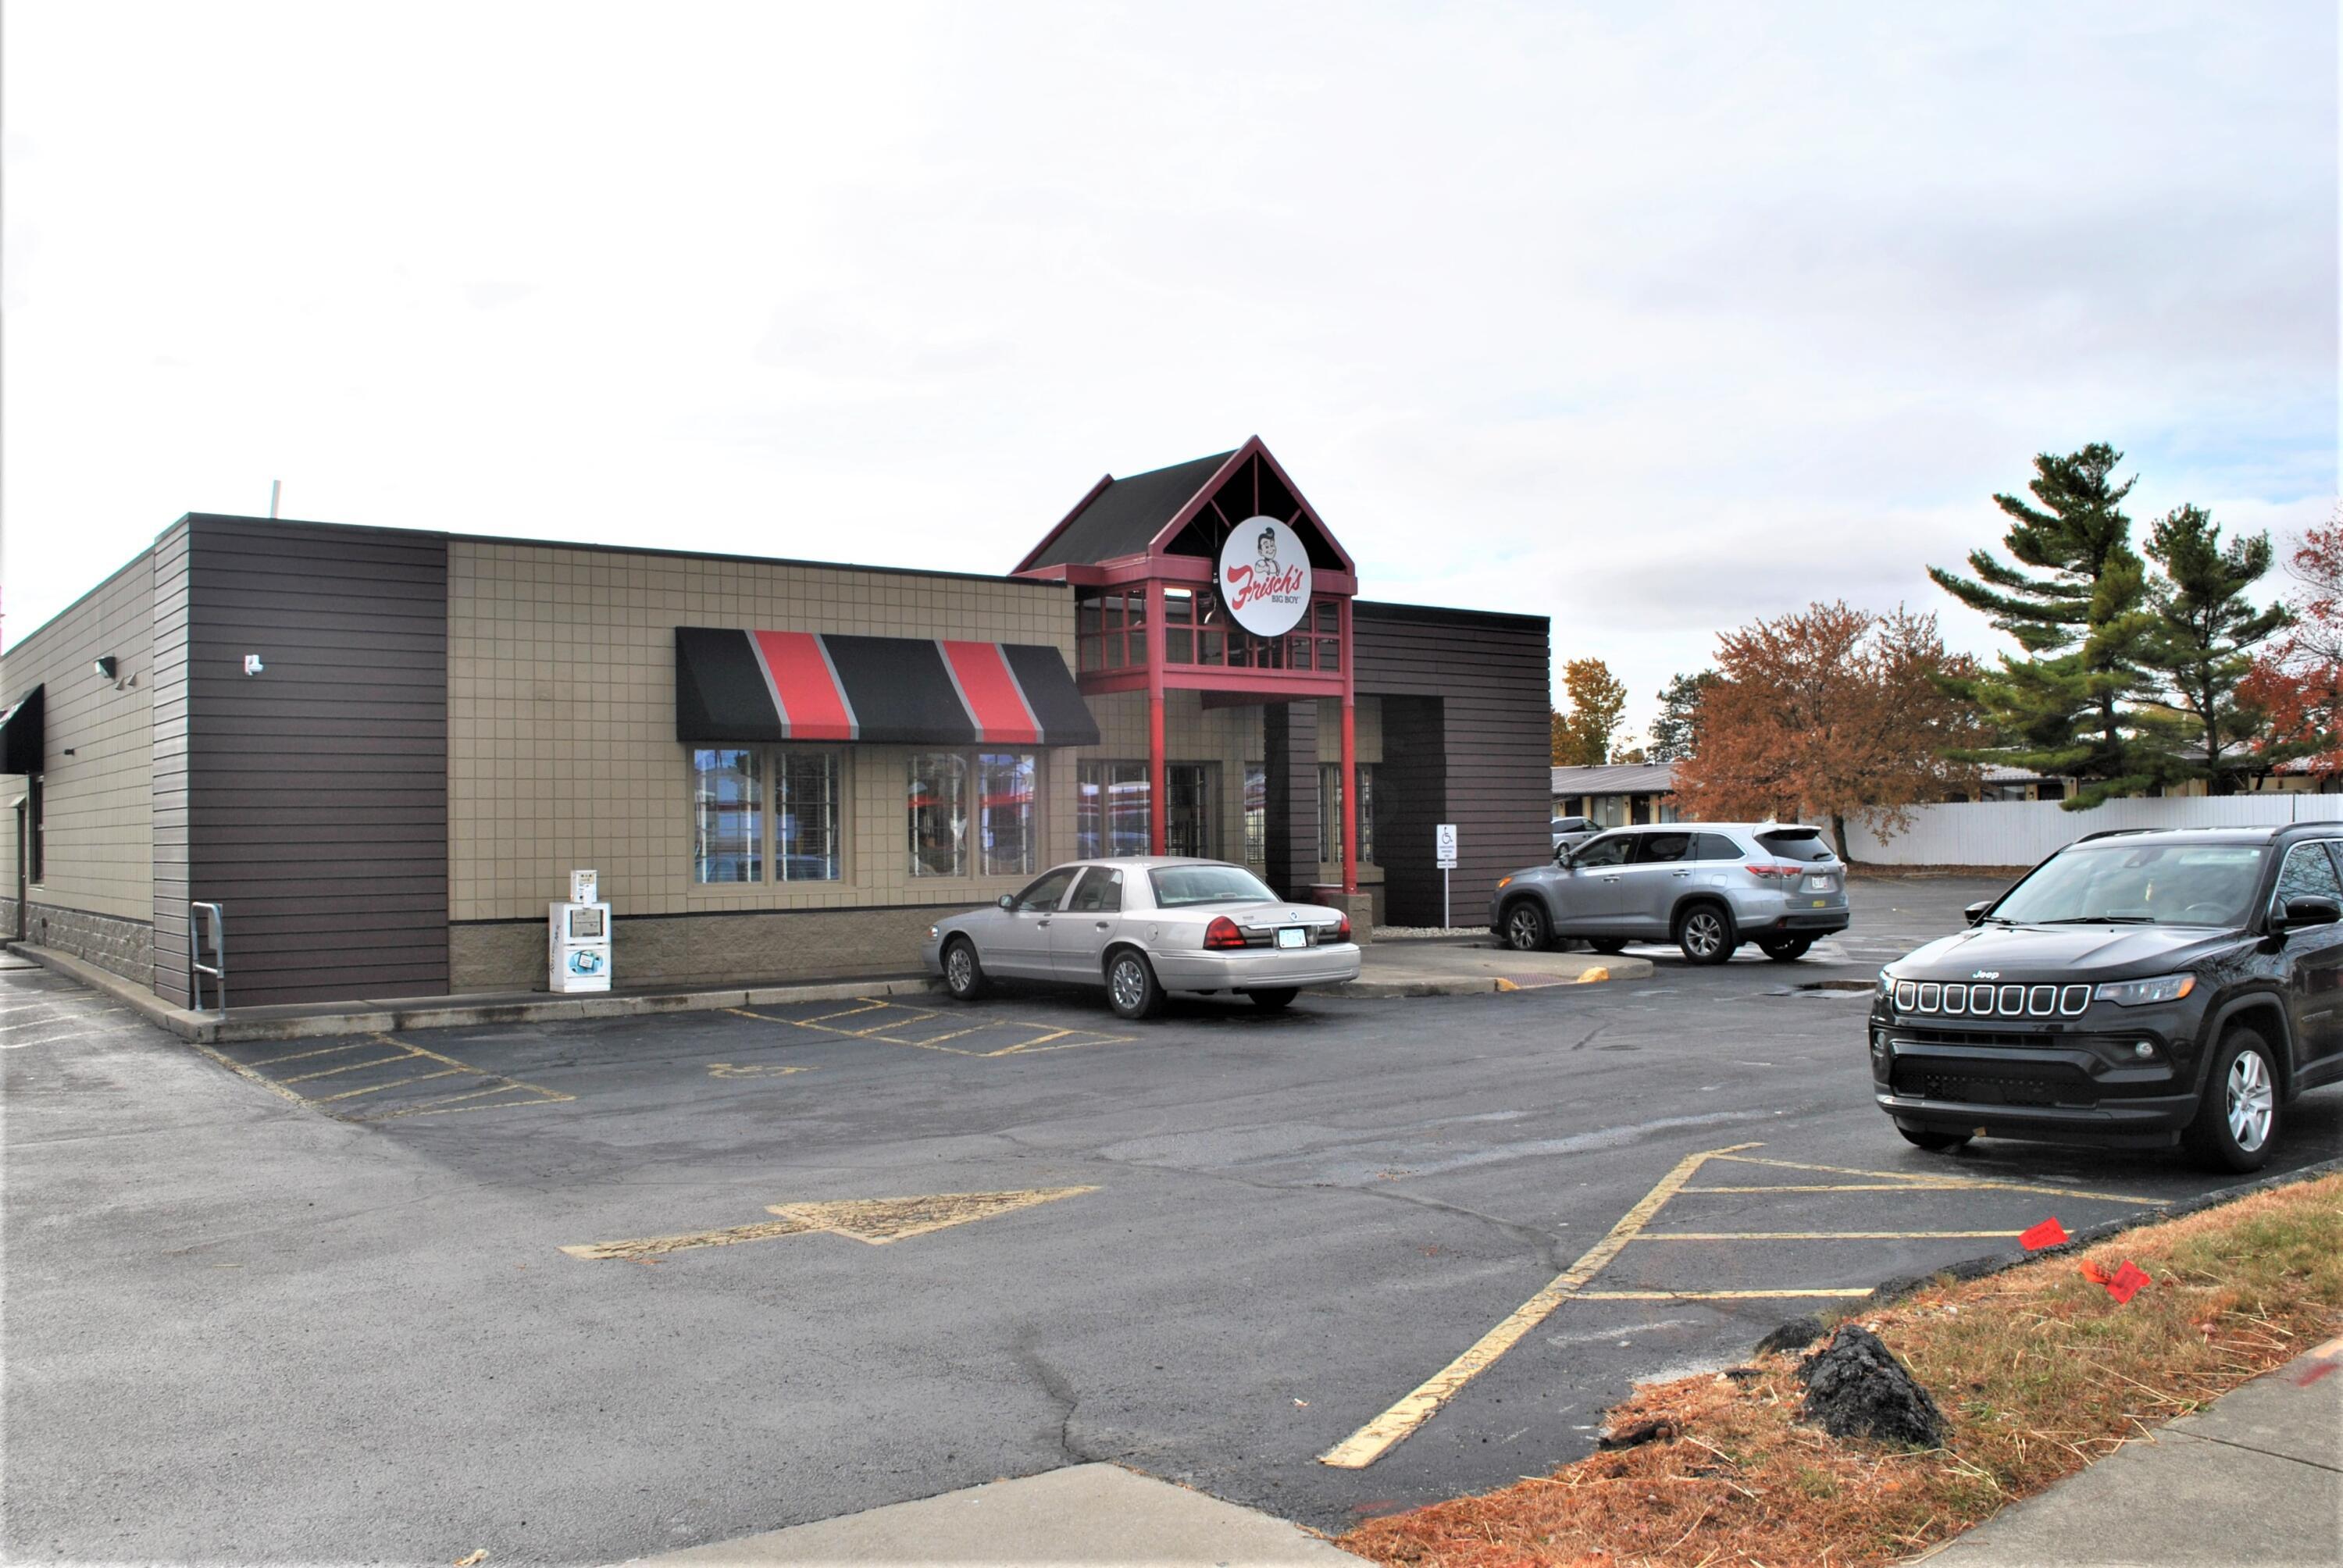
{"x": 1054, "y": 1383}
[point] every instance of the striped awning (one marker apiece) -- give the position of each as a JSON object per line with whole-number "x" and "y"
{"x": 21, "y": 735}
{"x": 736, "y": 685}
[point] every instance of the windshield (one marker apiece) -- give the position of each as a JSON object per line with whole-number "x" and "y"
{"x": 1178, "y": 886}
{"x": 2162, "y": 884}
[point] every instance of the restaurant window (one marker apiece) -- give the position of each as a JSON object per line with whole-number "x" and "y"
{"x": 1256, "y": 814}
{"x": 806, "y": 830}
{"x": 1005, "y": 808}
{"x": 1110, "y": 809}
{"x": 1110, "y": 631}
{"x": 1188, "y": 814}
{"x": 936, "y": 797}
{"x": 727, "y": 813}
{"x": 36, "y": 838}
{"x": 1329, "y": 812}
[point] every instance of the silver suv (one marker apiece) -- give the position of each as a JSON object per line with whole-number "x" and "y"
{"x": 1708, "y": 887}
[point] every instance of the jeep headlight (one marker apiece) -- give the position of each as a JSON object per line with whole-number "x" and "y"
{"x": 1887, "y": 984}
{"x": 2143, "y": 992}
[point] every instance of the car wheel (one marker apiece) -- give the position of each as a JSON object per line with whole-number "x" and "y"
{"x": 1526, "y": 931}
{"x": 1704, "y": 932}
{"x": 1274, "y": 999}
{"x": 1934, "y": 1143}
{"x": 2236, "y": 1122}
{"x": 1787, "y": 951}
{"x": 1610, "y": 947}
{"x": 1130, "y": 988}
{"x": 963, "y": 976}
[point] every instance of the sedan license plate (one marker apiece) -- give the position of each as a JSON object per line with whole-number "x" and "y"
{"x": 1293, "y": 937}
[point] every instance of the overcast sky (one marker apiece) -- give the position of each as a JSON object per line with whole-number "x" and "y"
{"x": 1650, "y": 318}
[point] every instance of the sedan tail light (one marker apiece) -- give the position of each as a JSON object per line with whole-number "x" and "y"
{"x": 1342, "y": 929}
{"x": 1223, "y": 933}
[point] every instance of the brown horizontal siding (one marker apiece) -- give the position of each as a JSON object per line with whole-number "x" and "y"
{"x": 315, "y": 799}
{"x": 1490, "y": 677}
{"x": 171, "y": 721}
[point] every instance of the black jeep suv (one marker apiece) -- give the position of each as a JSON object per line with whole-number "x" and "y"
{"x": 2135, "y": 989}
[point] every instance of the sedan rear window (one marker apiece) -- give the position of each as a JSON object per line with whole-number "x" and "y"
{"x": 1179, "y": 886}
{"x": 1796, "y": 844}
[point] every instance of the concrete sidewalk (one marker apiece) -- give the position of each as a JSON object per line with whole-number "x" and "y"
{"x": 1085, "y": 1514}
{"x": 1444, "y": 966}
{"x": 2254, "y": 1478}
{"x": 1397, "y": 968}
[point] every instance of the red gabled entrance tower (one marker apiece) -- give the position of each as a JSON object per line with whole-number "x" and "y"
{"x": 1154, "y": 613}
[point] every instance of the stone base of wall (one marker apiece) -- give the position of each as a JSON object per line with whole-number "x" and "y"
{"x": 715, "y": 950}
{"x": 122, "y": 947}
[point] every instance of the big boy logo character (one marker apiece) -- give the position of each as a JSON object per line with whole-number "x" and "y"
{"x": 1265, "y": 577}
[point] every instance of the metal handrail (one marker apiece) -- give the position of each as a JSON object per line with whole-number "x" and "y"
{"x": 216, "y": 919}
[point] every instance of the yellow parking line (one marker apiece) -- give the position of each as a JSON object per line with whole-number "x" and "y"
{"x": 654, "y": 1246}
{"x": 1371, "y": 1442}
{"x": 1820, "y": 1235}
{"x": 1913, "y": 1186}
{"x": 448, "y": 1107}
{"x": 395, "y": 1084}
{"x": 353, "y": 1067}
{"x": 1976, "y": 1182}
{"x": 1714, "y": 1295}
{"x": 322, "y": 1051}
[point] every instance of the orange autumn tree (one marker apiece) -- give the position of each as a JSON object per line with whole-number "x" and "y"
{"x": 2297, "y": 683}
{"x": 1830, "y": 712}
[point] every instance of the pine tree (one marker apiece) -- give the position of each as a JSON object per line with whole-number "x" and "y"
{"x": 1672, "y": 731}
{"x": 2084, "y": 616}
{"x": 2206, "y": 634}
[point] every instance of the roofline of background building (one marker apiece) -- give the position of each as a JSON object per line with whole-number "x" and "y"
{"x": 1445, "y": 611}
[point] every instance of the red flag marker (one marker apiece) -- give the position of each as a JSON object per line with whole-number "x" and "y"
{"x": 2127, "y": 1282}
{"x": 2049, "y": 1233}
{"x": 2094, "y": 1274}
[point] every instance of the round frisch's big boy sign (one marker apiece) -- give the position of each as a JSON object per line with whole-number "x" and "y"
{"x": 1265, "y": 577}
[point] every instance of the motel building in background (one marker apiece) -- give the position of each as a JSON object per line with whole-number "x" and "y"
{"x": 382, "y": 751}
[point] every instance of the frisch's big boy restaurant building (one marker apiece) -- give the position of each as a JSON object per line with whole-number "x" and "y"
{"x": 382, "y": 751}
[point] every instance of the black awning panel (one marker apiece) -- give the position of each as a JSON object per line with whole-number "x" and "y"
{"x": 741, "y": 685}
{"x": 23, "y": 734}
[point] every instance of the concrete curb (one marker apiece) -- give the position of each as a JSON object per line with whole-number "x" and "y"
{"x": 452, "y": 1013}
{"x": 1616, "y": 969}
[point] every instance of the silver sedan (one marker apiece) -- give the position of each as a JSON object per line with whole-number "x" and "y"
{"x": 1144, "y": 925}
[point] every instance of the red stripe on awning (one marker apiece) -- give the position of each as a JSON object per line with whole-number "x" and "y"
{"x": 812, "y": 707}
{"x": 994, "y": 699}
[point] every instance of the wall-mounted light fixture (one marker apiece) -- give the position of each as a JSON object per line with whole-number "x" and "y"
{"x": 106, "y": 667}
{"x": 252, "y": 665}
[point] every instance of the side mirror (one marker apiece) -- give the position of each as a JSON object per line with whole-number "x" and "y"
{"x": 2310, "y": 909}
{"x": 1978, "y": 910}
{"x": 1007, "y": 900}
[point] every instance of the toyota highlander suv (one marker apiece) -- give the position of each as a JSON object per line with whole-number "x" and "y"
{"x": 1707, "y": 887}
{"x": 2135, "y": 989}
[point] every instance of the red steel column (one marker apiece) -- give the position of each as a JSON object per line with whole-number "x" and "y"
{"x": 1157, "y": 806}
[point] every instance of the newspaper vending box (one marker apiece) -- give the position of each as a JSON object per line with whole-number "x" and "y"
{"x": 578, "y": 934}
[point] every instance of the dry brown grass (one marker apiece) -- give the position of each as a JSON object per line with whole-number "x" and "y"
{"x": 2038, "y": 1371}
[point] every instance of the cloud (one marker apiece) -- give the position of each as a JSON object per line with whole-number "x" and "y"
{"x": 1652, "y": 319}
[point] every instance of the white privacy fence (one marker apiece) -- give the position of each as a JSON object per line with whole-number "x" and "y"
{"x": 2020, "y": 832}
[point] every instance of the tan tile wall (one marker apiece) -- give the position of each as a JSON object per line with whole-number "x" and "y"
{"x": 561, "y": 724}
{"x": 100, "y": 815}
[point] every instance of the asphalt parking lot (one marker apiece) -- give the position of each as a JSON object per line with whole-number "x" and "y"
{"x": 579, "y": 1292}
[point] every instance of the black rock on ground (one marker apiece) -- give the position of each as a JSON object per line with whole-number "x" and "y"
{"x": 1857, "y": 1388}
